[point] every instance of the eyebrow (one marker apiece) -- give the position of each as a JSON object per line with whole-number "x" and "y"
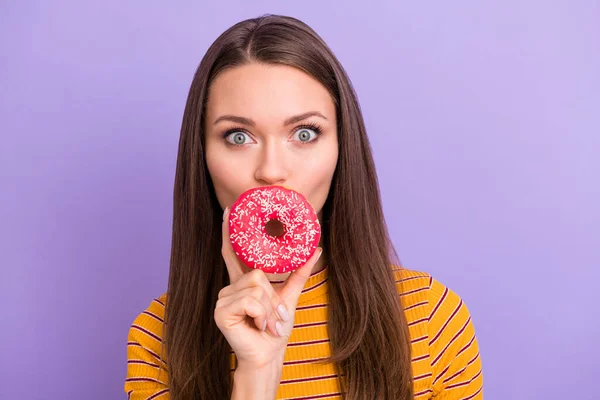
{"x": 249, "y": 122}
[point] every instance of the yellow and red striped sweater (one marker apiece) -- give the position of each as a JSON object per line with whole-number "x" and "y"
{"x": 445, "y": 355}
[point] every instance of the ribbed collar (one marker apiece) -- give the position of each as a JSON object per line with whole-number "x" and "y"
{"x": 315, "y": 286}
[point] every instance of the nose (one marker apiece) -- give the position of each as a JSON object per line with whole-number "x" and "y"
{"x": 272, "y": 169}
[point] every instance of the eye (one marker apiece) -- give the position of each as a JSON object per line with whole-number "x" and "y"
{"x": 238, "y": 138}
{"x": 306, "y": 135}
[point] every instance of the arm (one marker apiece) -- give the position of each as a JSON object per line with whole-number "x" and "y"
{"x": 455, "y": 360}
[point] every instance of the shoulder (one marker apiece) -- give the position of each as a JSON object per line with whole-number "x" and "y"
{"x": 420, "y": 290}
{"x": 425, "y": 299}
{"x": 414, "y": 289}
{"x": 153, "y": 316}
{"x": 146, "y": 331}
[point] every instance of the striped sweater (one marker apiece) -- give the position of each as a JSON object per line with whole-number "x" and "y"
{"x": 445, "y": 355}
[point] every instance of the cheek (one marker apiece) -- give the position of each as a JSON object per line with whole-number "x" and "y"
{"x": 323, "y": 170}
{"x": 318, "y": 178}
{"x": 325, "y": 162}
{"x": 225, "y": 175}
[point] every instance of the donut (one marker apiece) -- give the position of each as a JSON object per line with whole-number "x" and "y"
{"x": 274, "y": 229}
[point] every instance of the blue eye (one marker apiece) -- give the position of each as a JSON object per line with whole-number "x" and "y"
{"x": 305, "y": 135}
{"x": 237, "y": 138}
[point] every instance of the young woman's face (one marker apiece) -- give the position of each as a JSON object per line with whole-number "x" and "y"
{"x": 270, "y": 125}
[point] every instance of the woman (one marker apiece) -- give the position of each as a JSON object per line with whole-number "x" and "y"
{"x": 271, "y": 105}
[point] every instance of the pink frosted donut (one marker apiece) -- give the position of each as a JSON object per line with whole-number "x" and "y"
{"x": 274, "y": 229}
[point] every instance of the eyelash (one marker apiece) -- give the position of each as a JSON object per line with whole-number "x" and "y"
{"x": 318, "y": 129}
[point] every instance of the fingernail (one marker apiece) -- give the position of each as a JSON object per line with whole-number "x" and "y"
{"x": 264, "y": 325}
{"x": 320, "y": 252}
{"x": 225, "y": 212}
{"x": 279, "y": 328}
{"x": 283, "y": 313}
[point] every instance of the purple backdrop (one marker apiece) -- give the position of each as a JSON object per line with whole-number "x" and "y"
{"x": 484, "y": 121}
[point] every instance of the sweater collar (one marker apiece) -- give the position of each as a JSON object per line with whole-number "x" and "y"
{"x": 315, "y": 286}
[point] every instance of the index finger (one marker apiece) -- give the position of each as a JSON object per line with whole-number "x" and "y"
{"x": 234, "y": 266}
{"x": 294, "y": 284}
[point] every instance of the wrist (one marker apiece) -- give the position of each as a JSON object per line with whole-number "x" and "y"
{"x": 260, "y": 383}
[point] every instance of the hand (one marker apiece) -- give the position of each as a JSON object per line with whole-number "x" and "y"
{"x": 256, "y": 318}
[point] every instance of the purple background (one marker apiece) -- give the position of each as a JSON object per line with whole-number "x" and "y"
{"x": 484, "y": 121}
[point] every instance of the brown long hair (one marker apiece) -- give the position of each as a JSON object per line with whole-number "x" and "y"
{"x": 368, "y": 331}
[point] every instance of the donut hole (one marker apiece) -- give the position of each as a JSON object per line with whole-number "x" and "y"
{"x": 275, "y": 228}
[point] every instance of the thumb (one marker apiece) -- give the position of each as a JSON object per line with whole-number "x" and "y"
{"x": 292, "y": 288}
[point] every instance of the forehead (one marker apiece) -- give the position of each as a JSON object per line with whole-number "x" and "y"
{"x": 267, "y": 91}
